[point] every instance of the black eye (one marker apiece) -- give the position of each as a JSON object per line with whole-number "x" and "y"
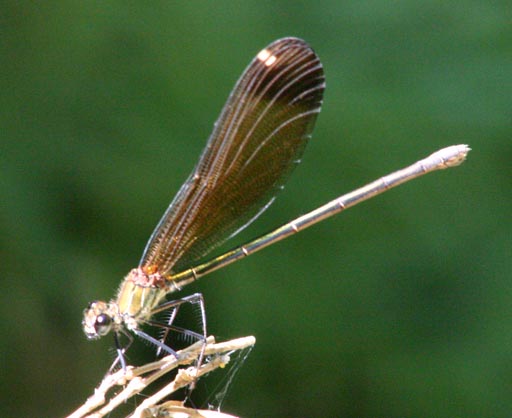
{"x": 103, "y": 324}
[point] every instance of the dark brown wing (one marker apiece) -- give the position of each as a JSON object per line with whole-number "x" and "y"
{"x": 256, "y": 142}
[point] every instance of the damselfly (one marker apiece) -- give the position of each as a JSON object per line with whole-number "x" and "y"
{"x": 256, "y": 143}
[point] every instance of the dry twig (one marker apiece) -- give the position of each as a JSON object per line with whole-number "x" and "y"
{"x": 137, "y": 379}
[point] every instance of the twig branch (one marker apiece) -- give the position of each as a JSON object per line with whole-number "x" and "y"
{"x": 136, "y": 379}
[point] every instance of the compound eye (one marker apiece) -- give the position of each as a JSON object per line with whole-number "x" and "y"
{"x": 103, "y": 324}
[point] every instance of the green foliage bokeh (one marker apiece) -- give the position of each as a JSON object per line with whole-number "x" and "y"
{"x": 399, "y": 307}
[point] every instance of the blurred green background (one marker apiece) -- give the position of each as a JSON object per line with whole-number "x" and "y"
{"x": 401, "y": 307}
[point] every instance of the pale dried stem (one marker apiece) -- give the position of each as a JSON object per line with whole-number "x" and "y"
{"x": 137, "y": 379}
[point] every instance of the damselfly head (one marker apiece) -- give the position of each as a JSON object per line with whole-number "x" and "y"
{"x": 98, "y": 319}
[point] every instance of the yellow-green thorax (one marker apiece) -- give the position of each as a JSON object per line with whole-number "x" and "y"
{"x": 137, "y": 298}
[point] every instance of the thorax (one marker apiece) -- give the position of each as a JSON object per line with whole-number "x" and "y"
{"x": 138, "y": 295}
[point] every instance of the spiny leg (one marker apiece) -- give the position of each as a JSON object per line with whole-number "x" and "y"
{"x": 161, "y": 346}
{"x": 196, "y": 298}
{"x": 120, "y": 351}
